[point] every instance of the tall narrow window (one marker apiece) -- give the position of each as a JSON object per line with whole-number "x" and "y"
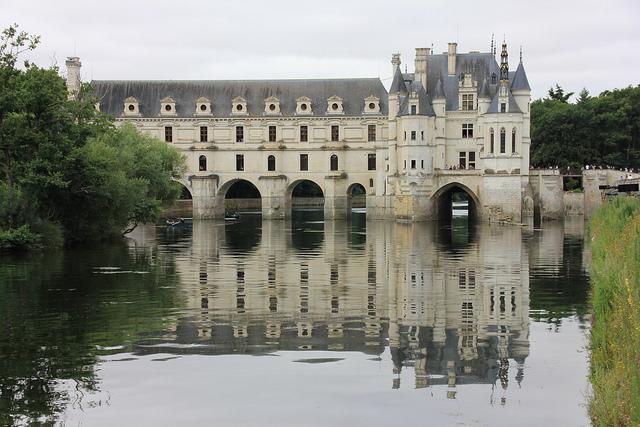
{"x": 168, "y": 134}
{"x": 467, "y": 130}
{"x": 304, "y": 162}
{"x": 472, "y": 159}
{"x": 271, "y": 163}
{"x": 272, "y": 134}
{"x": 413, "y": 164}
{"x": 503, "y": 107}
{"x": 333, "y": 162}
{"x": 513, "y": 140}
{"x": 422, "y": 135}
{"x": 304, "y": 134}
{"x": 202, "y": 163}
{"x": 371, "y": 162}
{"x": 413, "y": 135}
{"x": 491, "y": 141}
{"x": 371, "y": 133}
{"x": 503, "y": 141}
{"x": 463, "y": 160}
{"x": 405, "y": 135}
{"x": 335, "y": 133}
{"x": 413, "y": 110}
{"x": 239, "y": 134}
{"x": 239, "y": 162}
{"x": 204, "y": 134}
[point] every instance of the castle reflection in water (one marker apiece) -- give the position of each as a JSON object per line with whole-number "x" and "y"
{"x": 451, "y": 304}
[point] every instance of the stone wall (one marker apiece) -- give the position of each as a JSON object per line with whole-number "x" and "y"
{"x": 573, "y": 203}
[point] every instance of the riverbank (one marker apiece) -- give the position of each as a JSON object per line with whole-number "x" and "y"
{"x": 615, "y": 336}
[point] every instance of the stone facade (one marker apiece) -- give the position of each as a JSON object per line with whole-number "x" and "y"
{"x": 459, "y": 122}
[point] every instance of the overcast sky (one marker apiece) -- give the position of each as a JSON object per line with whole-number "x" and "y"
{"x": 585, "y": 43}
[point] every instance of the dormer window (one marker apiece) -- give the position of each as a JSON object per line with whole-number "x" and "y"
{"x": 371, "y": 105}
{"x": 414, "y": 109}
{"x": 168, "y": 107}
{"x": 239, "y": 106}
{"x": 468, "y": 102}
{"x": 303, "y": 106}
{"x": 272, "y": 106}
{"x": 334, "y": 105}
{"x": 131, "y": 107}
{"x": 203, "y": 107}
{"x": 494, "y": 78}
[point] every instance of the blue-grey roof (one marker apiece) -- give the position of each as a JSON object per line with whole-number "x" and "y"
{"x": 397, "y": 85}
{"x": 424, "y": 101}
{"x": 520, "y": 81}
{"x": 484, "y": 91}
{"x": 512, "y": 108}
{"x": 112, "y": 94}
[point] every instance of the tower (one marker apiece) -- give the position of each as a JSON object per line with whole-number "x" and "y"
{"x": 73, "y": 76}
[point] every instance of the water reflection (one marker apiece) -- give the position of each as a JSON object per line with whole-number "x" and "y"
{"x": 446, "y": 307}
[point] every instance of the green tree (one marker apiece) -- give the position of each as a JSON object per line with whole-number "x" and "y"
{"x": 559, "y": 95}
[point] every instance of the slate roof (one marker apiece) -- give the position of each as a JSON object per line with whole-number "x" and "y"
{"x": 520, "y": 81}
{"x": 512, "y": 108}
{"x": 397, "y": 85}
{"x": 424, "y": 101}
{"x": 112, "y": 94}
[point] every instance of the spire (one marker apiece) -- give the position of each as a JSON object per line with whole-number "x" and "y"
{"x": 397, "y": 85}
{"x": 521, "y": 54}
{"x": 484, "y": 90}
{"x": 504, "y": 63}
{"x": 520, "y": 81}
{"x": 492, "y": 45}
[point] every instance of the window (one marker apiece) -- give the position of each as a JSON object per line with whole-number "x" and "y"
{"x": 335, "y": 133}
{"x": 272, "y": 134}
{"x": 168, "y": 134}
{"x": 334, "y": 162}
{"x": 472, "y": 159}
{"x": 304, "y": 133}
{"x": 503, "y": 107}
{"x": 371, "y": 182}
{"x": 239, "y": 162}
{"x": 513, "y": 140}
{"x": 493, "y": 78}
{"x": 467, "y": 130}
{"x": 405, "y": 164}
{"x": 271, "y": 163}
{"x": 421, "y": 164}
{"x": 491, "y": 139}
{"x": 202, "y": 163}
{"x": 463, "y": 160}
{"x": 413, "y": 164}
{"x": 371, "y": 132}
{"x": 422, "y": 135}
{"x": 304, "y": 162}
{"x": 413, "y": 135}
{"x": 467, "y": 102}
{"x": 405, "y": 135}
{"x": 413, "y": 110}
{"x": 503, "y": 141}
{"x": 371, "y": 162}
{"x": 239, "y": 134}
{"x": 203, "y": 134}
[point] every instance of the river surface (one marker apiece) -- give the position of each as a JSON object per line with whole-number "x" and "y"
{"x": 301, "y": 323}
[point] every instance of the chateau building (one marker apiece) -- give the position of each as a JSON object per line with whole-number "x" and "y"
{"x": 459, "y": 122}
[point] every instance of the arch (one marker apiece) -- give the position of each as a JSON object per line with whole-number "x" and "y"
{"x": 333, "y": 162}
{"x": 356, "y": 199}
{"x": 503, "y": 140}
{"x": 183, "y": 206}
{"x": 271, "y": 163}
{"x": 443, "y": 200}
{"x": 239, "y": 195}
{"x": 202, "y": 163}
{"x": 304, "y": 195}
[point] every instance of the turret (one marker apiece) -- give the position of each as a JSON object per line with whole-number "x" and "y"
{"x": 520, "y": 88}
{"x": 73, "y": 76}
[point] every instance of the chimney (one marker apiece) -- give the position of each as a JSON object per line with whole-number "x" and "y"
{"x": 421, "y": 65}
{"x": 73, "y": 76}
{"x": 452, "y": 58}
{"x": 395, "y": 61}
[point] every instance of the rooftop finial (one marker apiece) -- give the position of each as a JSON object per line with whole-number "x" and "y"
{"x": 521, "y": 54}
{"x": 492, "y": 45}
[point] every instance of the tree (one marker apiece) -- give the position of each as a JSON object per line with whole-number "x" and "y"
{"x": 559, "y": 95}
{"x": 583, "y": 96}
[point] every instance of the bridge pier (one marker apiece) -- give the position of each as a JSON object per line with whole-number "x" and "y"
{"x": 204, "y": 200}
{"x": 274, "y": 199}
{"x": 335, "y": 197}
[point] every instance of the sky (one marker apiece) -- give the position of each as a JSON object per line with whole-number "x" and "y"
{"x": 586, "y": 43}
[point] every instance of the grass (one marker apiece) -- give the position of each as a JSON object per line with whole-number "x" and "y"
{"x": 615, "y": 336}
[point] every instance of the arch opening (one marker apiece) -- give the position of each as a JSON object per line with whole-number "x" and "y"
{"x": 183, "y": 206}
{"x": 242, "y": 196}
{"x": 356, "y": 199}
{"x": 455, "y": 204}
{"x": 306, "y": 198}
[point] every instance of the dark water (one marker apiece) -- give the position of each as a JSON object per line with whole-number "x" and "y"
{"x": 301, "y": 323}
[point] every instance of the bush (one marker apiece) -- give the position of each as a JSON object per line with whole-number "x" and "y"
{"x": 21, "y": 238}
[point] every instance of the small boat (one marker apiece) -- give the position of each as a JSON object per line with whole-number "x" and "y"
{"x": 175, "y": 222}
{"x": 231, "y": 216}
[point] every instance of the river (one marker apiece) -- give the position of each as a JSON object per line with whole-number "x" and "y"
{"x": 301, "y": 323}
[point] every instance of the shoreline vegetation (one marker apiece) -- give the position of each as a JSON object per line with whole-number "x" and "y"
{"x": 615, "y": 335}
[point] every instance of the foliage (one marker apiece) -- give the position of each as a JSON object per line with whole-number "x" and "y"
{"x": 599, "y": 130}
{"x": 63, "y": 165}
{"x": 20, "y": 238}
{"x": 615, "y": 336}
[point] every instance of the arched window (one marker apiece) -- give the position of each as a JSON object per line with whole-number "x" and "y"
{"x": 503, "y": 141}
{"x": 492, "y": 140}
{"x": 271, "y": 163}
{"x": 202, "y": 163}
{"x": 334, "y": 162}
{"x": 513, "y": 140}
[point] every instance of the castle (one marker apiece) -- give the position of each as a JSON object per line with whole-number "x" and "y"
{"x": 459, "y": 122}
